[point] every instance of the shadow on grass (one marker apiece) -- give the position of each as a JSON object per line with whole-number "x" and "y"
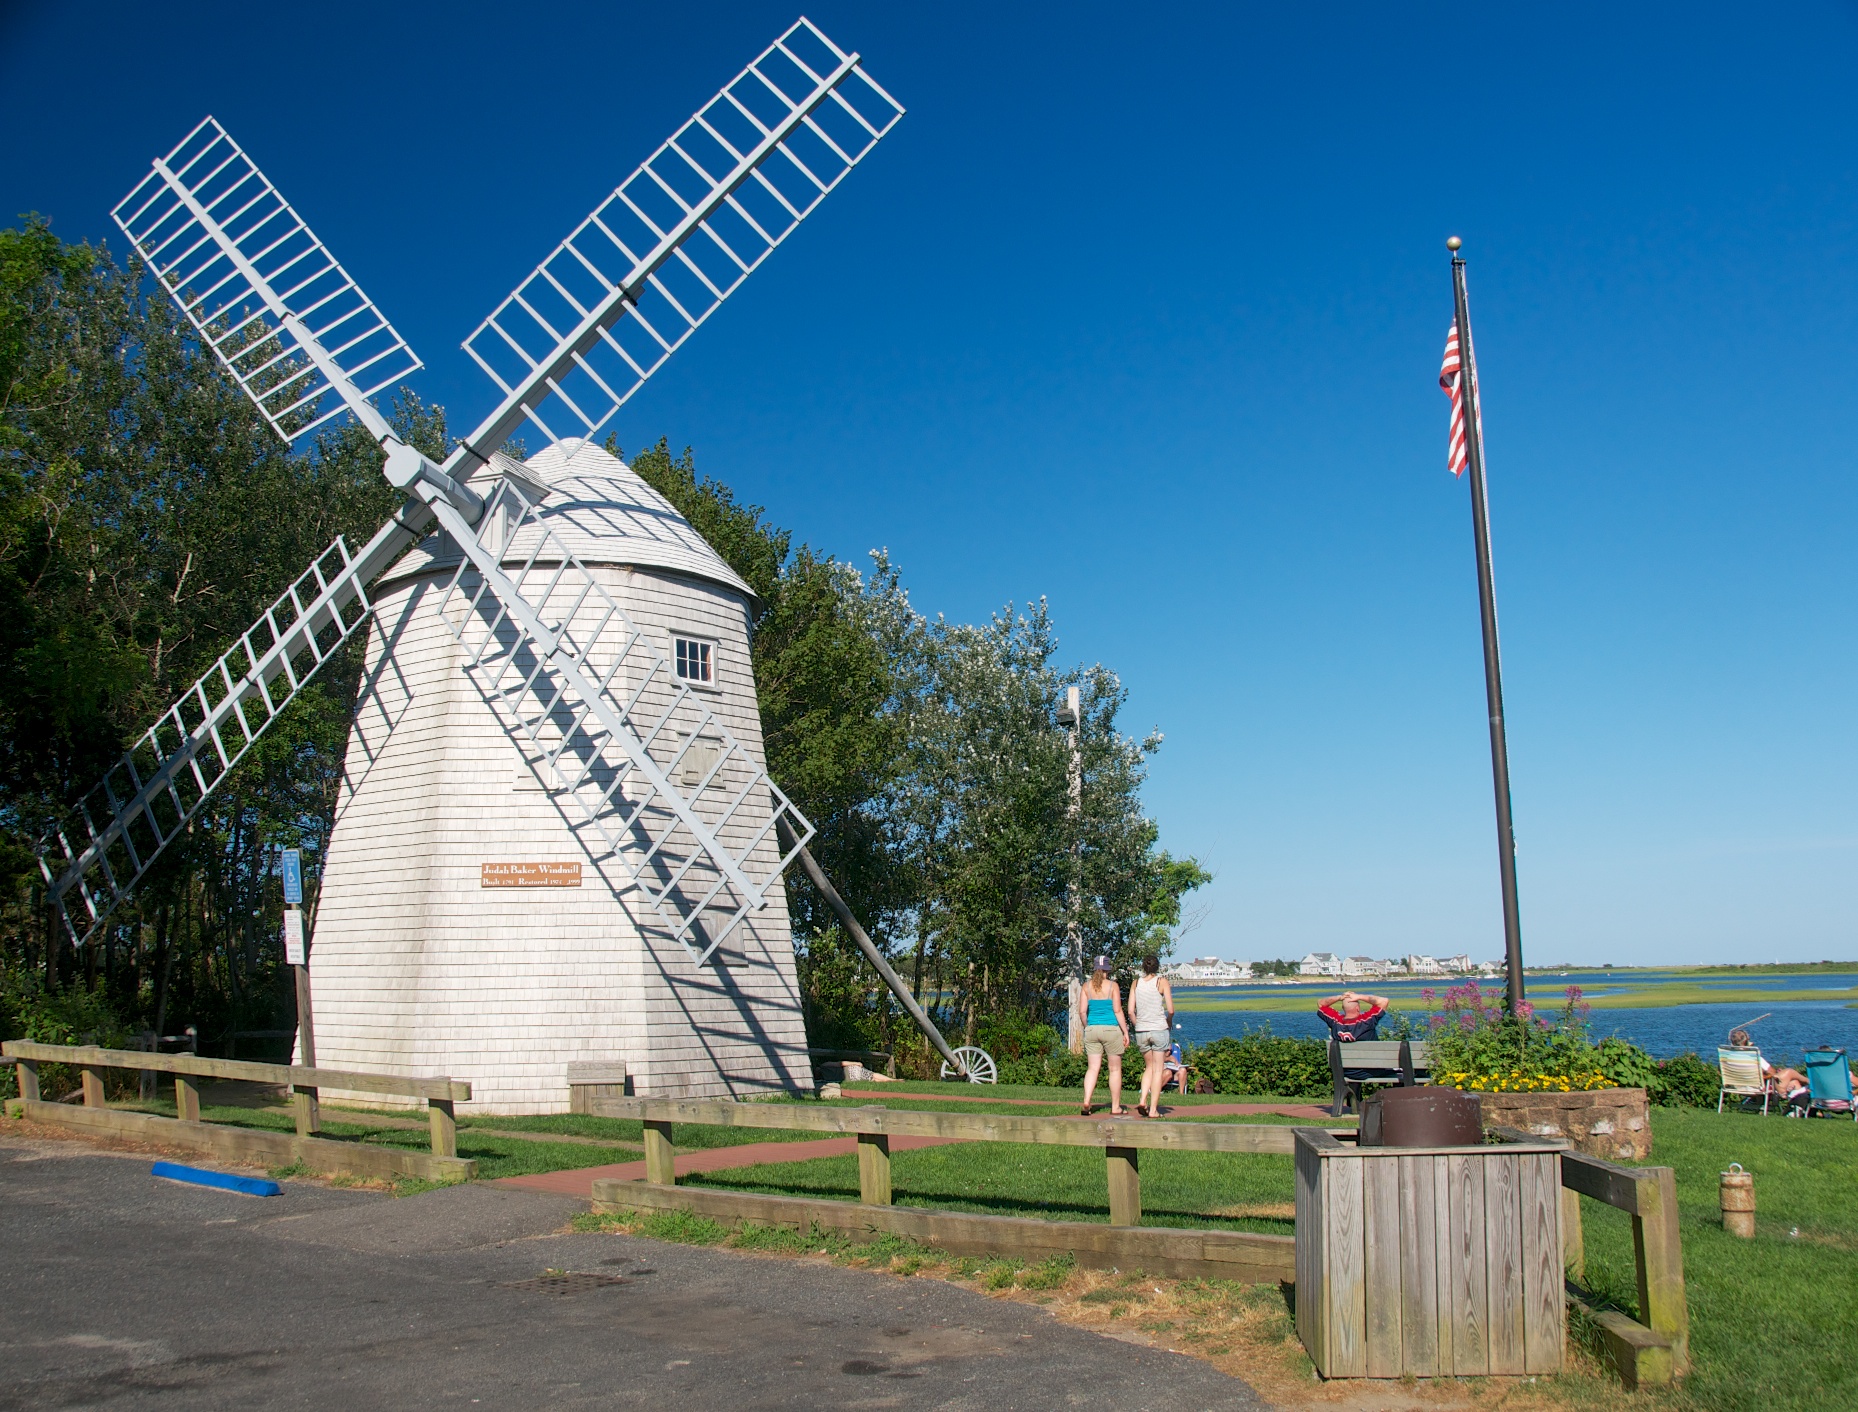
{"x": 985, "y": 1205}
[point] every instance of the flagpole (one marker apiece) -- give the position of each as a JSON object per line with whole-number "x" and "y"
{"x": 1493, "y": 669}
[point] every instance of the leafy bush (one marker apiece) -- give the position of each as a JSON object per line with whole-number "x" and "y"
{"x": 1685, "y": 1081}
{"x": 69, "y": 1016}
{"x": 1626, "y": 1064}
{"x": 1058, "y": 1068}
{"x": 1030, "y": 1053}
{"x": 1259, "y": 1061}
{"x": 75, "y": 1015}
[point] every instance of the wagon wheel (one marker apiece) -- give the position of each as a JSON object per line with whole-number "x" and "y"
{"x": 980, "y": 1065}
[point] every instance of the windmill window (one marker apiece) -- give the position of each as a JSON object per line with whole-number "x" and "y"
{"x": 699, "y": 758}
{"x": 696, "y": 660}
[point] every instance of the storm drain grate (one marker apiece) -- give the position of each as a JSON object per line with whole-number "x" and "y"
{"x": 573, "y": 1282}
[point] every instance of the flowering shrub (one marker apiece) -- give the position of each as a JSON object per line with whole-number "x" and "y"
{"x": 1516, "y": 1081}
{"x": 1472, "y": 1033}
{"x": 1477, "y": 1044}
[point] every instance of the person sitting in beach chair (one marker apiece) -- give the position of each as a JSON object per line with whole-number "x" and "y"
{"x": 1741, "y": 1067}
{"x": 1787, "y": 1084}
{"x": 1792, "y": 1085}
{"x": 1829, "y": 1077}
{"x": 1174, "y": 1069}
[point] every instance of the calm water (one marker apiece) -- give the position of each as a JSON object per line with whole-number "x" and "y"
{"x": 1792, "y": 1026}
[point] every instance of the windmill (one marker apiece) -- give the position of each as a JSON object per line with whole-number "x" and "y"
{"x": 670, "y": 804}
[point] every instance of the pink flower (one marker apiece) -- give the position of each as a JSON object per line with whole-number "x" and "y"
{"x": 1574, "y": 993}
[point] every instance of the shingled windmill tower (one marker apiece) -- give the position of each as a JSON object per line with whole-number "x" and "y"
{"x": 557, "y": 839}
{"x": 472, "y": 918}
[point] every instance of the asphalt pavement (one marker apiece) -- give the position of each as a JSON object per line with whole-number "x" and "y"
{"x": 126, "y": 1291}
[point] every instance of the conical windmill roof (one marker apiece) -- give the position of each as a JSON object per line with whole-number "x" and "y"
{"x": 602, "y": 510}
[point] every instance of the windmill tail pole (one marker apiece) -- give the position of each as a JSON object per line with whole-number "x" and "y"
{"x": 872, "y": 954}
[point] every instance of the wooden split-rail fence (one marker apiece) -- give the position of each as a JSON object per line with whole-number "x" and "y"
{"x": 1124, "y": 1243}
{"x": 186, "y": 1130}
{"x": 1655, "y": 1347}
{"x": 1536, "y": 1211}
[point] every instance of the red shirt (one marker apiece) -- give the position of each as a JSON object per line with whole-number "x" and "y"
{"x": 1364, "y": 1026}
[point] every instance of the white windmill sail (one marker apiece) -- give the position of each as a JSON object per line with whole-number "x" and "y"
{"x": 286, "y": 320}
{"x": 545, "y": 639}
{"x": 602, "y": 313}
{"x": 113, "y": 836}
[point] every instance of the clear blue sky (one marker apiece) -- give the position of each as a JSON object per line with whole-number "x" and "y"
{"x": 1141, "y": 309}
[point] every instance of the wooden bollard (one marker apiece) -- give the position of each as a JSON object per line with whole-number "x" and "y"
{"x": 1738, "y": 1202}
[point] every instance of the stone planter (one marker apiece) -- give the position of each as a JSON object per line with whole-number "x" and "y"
{"x": 1608, "y": 1123}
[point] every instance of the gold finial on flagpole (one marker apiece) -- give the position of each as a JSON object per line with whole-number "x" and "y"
{"x": 1453, "y": 243}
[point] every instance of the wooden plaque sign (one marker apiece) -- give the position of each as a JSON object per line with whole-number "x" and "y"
{"x": 530, "y": 875}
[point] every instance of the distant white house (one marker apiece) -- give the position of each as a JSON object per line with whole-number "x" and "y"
{"x": 1320, "y": 963}
{"x": 1363, "y": 967}
{"x": 1423, "y": 966}
{"x": 1210, "y": 970}
{"x": 1459, "y": 965}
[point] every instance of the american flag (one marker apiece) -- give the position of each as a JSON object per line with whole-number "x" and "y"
{"x": 1451, "y": 379}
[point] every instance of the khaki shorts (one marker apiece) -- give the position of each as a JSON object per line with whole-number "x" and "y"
{"x": 1152, "y": 1041}
{"x": 1100, "y": 1040}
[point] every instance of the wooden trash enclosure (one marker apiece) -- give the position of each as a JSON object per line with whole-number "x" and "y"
{"x": 1435, "y": 1262}
{"x": 246, "y": 1144}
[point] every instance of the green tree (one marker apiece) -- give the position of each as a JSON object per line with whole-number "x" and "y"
{"x": 147, "y": 518}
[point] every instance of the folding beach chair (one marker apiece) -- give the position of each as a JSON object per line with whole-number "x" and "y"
{"x": 1741, "y": 1075}
{"x": 1829, "y": 1076}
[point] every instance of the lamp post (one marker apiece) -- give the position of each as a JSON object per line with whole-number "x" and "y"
{"x": 1070, "y": 716}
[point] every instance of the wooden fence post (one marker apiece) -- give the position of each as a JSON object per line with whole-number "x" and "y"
{"x": 309, "y": 1117}
{"x": 93, "y": 1086}
{"x": 874, "y": 1169}
{"x": 1660, "y": 1259}
{"x": 29, "y": 1080}
{"x": 660, "y": 1163}
{"x": 1573, "y": 1242}
{"x": 444, "y": 1127}
{"x": 186, "y": 1099}
{"x": 1125, "y": 1186}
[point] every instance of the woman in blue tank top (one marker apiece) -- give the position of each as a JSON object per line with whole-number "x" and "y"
{"x": 1106, "y": 1034}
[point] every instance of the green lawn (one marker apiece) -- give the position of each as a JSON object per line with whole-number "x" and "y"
{"x": 1056, "y": 1183}
{"x": 1771, "y": 1319}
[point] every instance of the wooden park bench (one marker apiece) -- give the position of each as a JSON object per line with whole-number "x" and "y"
{"x": 1362, "y": 1062}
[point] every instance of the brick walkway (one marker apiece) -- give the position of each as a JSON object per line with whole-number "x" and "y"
{"x": 579, "y": 1181}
